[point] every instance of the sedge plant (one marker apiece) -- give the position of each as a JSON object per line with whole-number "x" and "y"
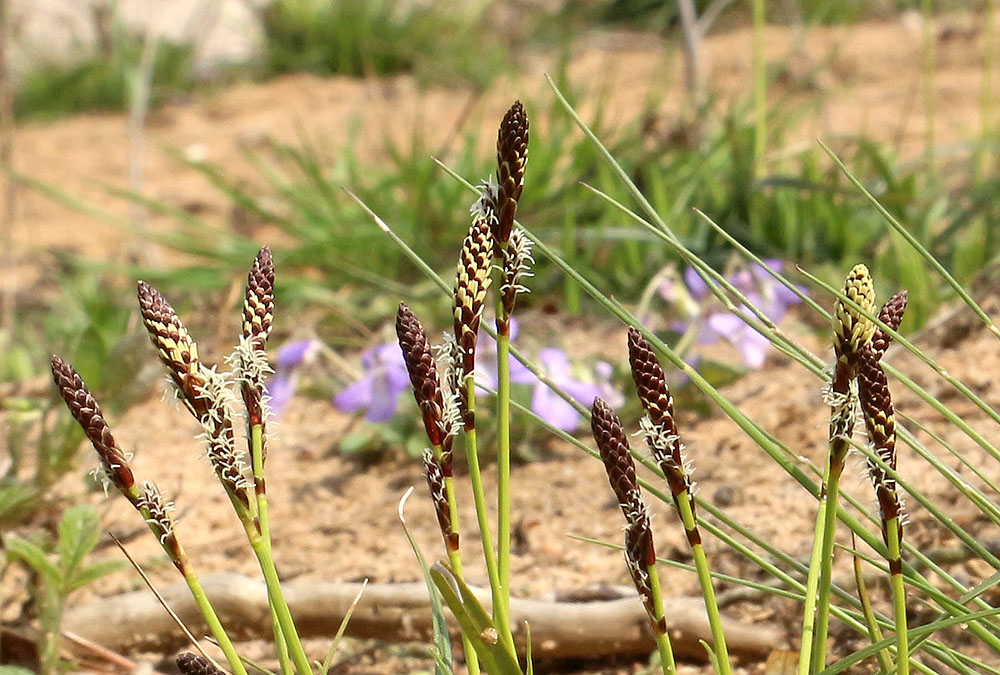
{"x": 445, "y": 394}
{"x": 211, "y": 396}
{"x": 857, "y": 387}
{"x": 447, "y": 403}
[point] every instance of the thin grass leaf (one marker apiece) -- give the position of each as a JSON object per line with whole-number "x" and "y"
{"x": 912, "y": 241}
{"x": 928, "y": 629}
{"x": 324, "y": 667}
{"x": 442, "y": 640}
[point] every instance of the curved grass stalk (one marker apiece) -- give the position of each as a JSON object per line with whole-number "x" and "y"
{"x": 920, "y": 632}
{"x": 885, "y": 661}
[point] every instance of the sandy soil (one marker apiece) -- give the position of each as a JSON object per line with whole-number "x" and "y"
{"x": 334, "y": 516}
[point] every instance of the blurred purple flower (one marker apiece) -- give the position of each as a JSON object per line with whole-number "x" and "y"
{"x": 768, "y": 295}
{"x": 293, "y": 354}
{"x": 550, "y": 406}
{"x": 378, "y": 390}
{"x": 281, "y": 386}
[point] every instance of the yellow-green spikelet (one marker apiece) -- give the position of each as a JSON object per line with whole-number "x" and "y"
{"x": 853, "y": 331}
{"x": 472, "y": 280}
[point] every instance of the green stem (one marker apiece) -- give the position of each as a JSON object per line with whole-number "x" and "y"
{"x": 894, "y": 538}
{"x": 812, "y": 584}
{"x": 686, "y": 509}
{"x": 179, "y": 558}
{"x": 503, "y": 459}
{"x": 482, "y": 521}
{"x": 276, "y": 599}
{"x": 455, "y": 558}
{"x": 260, "y": 490}
{"x": 211, "y": 618}
{"x": 874, "y": 632}
{"x": 662, "y": 637}
{"x": 835, "y": 467}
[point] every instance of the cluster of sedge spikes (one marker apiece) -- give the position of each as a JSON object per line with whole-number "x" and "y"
{"x": 660, "y": 430}
{"x": 491, "y": 235}
{"x": 208, "y": 394}
{"x": 858, "y": 384}
{"x": 443, "y": 389}
{"x": 859, "y": 346}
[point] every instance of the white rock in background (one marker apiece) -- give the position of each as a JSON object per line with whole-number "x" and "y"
{"x": 224, "y": 31}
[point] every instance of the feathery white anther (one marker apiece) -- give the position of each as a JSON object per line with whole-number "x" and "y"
{"x": 218, "y": 392}
{"x": 665, "y": 443}
{"x": 520, "y": 260}
{"x": 485, "y": 205}
{"x": 158, "y": 508}
{"x": 447, "y": 357}
{"x": 102, "y": 475}
{"x": 249, "y": 364}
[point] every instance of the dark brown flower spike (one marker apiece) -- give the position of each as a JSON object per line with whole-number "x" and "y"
{"x": 204, "y": 391}
{"x": 659, "y": 426}
{"x": 258, "y": 314}
{"x": 639, "y": 551}
{"x": 472, "y": 280}
{"x": 422, "y": 369}
{"x": 249, "y": 360}
{"x": 192, "y": 664}
{"x": 439, "y": 497}
{"x": 258, "y": 303}
{"x": 84, "y": 408}
{"x": 891, "y": 315}
{"x": 512, "y": 155}
{"x": 880, "y": 422}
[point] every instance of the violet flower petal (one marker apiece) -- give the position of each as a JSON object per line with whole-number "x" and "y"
{"x": 695, "y": 284}
{"x": 279, "y": 390}
{"x": 356, "y": 395}
{"x": 292, "y": 354}
{"x": 383, "y": 399}
{"x": 554, "y": 410}
{"x": 753, "y": 347}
